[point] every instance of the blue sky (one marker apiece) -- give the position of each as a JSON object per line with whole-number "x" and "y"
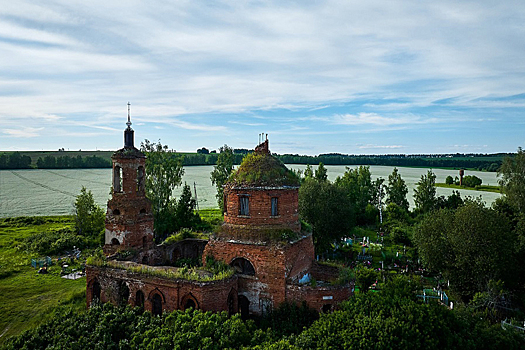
{"x": 356, "y": 77}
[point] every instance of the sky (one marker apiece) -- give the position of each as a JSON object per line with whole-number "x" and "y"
{"x": 352, "y": 77}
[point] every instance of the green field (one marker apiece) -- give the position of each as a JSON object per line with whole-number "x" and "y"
{"x": 27, "y": 298}
{"x": 494, "y": 189}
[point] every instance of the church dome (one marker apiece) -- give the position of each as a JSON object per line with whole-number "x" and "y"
{"x": 261, "y": 169}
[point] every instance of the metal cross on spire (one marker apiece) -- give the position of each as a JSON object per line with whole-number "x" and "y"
{"x": 129, "y": 121}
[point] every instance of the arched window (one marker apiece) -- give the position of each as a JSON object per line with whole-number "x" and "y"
{"x": 156, "y": 305}
{"x": 117, "y": 179}
{"x": 139, "y": 299}
{"x": 243, "y": 266}
{"x": 189, "y": 301}
{"x": 140, "y": 179}
{"x": 116, "y": 212}
{"x": 115, "y": 241}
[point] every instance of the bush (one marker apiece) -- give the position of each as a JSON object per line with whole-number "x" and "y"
{"x": 54, "y": 242}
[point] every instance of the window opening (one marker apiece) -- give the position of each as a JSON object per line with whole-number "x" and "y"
{"x": 243, "y": 266}
{"x": 156, "y": 305}
{"x": 117, "y": 179}
{"x": 275, "y": 206}
{"x": 244, "y": 206}
{"x": 139, "y": 299}
{"x": 140, "y": 179}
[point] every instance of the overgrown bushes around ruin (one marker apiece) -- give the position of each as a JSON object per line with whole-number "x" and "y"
{"x": 392, "y": 319}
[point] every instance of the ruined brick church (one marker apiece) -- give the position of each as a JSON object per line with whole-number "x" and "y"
{"x": 261, "y": 239}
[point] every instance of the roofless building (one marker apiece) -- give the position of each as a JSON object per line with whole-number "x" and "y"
{"x": 271, "y": 259}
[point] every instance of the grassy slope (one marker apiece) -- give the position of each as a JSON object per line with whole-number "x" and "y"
{"x": 495, "y": 189}
{"x": 27, "y": 298}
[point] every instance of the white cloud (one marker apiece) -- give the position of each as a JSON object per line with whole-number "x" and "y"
{"x": 23, "y": 132}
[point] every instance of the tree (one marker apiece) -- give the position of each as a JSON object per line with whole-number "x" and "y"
{"x": 89, "y": 217}
{"x": 221, "y": 172}
{"x": 326, "y": 207}
{"x": 185, "y": 216}
{"x": 364, "y": 278}
{"x": 449, "y": 180}
{"x": 470, "y": 246}
{"x": 357, "y": 184}
{"x": 397, "y": 190}
{"x": 164, "y": 173}
{"x": 203, "y": 150}
{"x": 425, "y": 192}
{"x": 512, "y": 181}
{"x": 472, "y": 181}
{"x": 308, "y": 172}
{"x": 321, "y": 173}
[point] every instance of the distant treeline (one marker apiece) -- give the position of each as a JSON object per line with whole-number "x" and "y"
{"x": 482, "y": 162}
{"x": 478, "y": 162}
{"x": 16, "y": 160}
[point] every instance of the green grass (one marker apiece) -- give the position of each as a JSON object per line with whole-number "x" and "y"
{"x": 212, "y": 216}
{"x": 484, "y": 188}
{"x": 26, "y": 298}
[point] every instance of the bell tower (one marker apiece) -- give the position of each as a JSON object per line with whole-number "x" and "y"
{"x": 129, "y": 219}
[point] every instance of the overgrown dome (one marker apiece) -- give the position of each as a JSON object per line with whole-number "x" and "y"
{"x": 261, "y": 169}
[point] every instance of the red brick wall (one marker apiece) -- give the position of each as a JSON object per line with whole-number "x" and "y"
{"x": 133, "y": 226}
{"x": 273, "y": 264}
{"x": 209, "y": 296}
{"x": 260, "y": 207}
{"x": 317, "y": 297}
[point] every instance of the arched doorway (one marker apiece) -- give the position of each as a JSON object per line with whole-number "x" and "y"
{"x": 327, "y": 308}
{"x": 139, "y": 299}
{"x": 231, "y": 303}
{"x": 156, "y": 305}
{"x": 96, "y": 290}
{"x": 244, "y": 307}
{"x": 123, "y": 293}
{"x": 115, "y": 241}
{"x": 243, "y": 266}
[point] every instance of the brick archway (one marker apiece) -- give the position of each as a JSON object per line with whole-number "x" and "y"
{"x": 189, "y": 301}
{"x": 243, "y": 266}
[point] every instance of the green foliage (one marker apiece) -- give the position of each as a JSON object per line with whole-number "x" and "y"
{"x": 89, "y": 217}
{"x": 182, "y": 235}
{"x": 397, "y": 190}
{"x": 27, "y": 298}
{"x": 53, "y": 242}
{"x": 163, "y": 174}
{"x": 221, "y": 172}
{"x": 512, "y": 181}
{"x": 262, "y": 169}
{"x": 395, "y": 319}
{"x": 425, "y": 192}
{"x": 321, "y": 173}
{"x": 471, "y": 246}
{"x": 308, "y": 172}
{"x": 326, "y": 207}
{"x": 358, "y": 186}
{"x": 190, "y": 274}
{"x": 364, "y": 278}
{"x": 449, "y": 180}
{"x": 185, "y": 215}
{"x": 472, "y": 181}
{"x": 289, "y": 319}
